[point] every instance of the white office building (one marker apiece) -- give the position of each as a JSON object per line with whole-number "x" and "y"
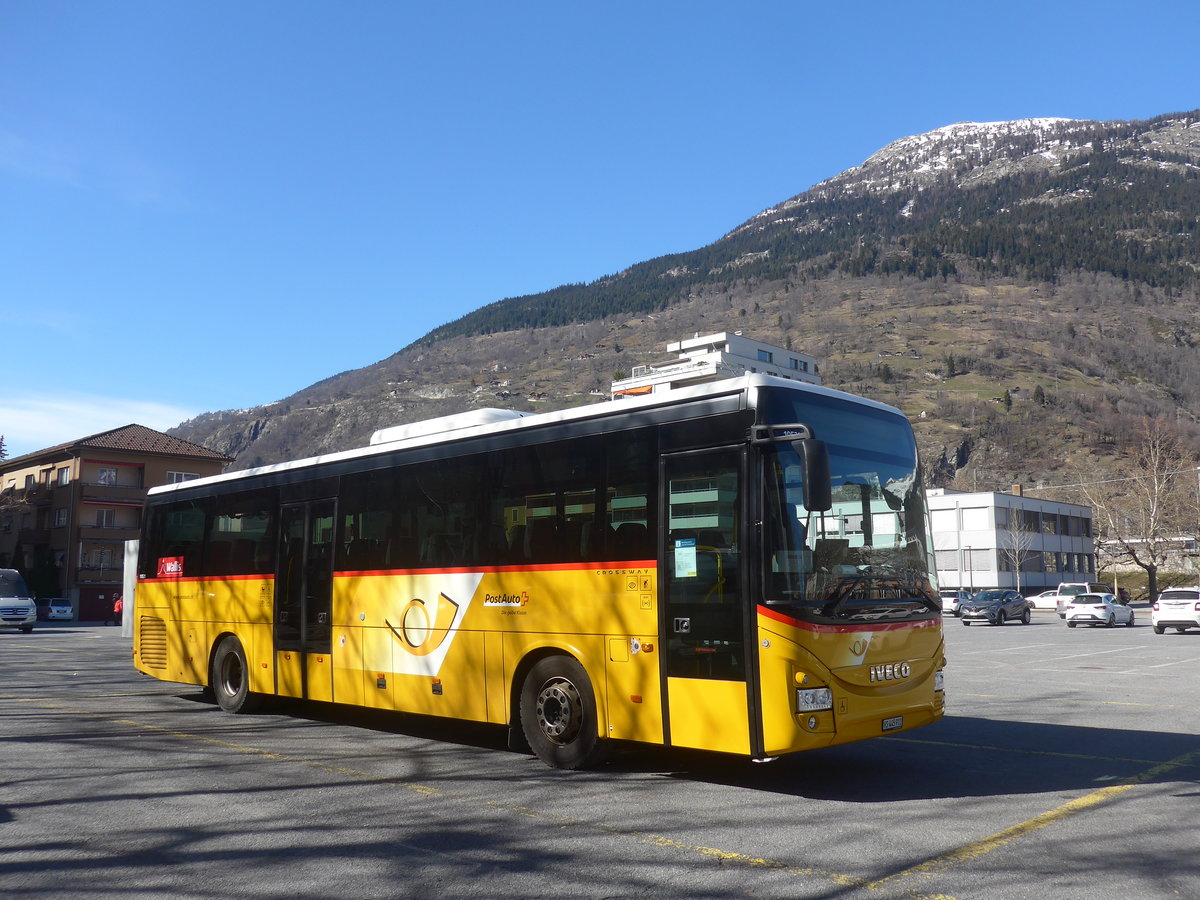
{"x": 1006, "y": 540}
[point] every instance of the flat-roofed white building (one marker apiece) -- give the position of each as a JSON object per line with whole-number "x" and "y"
{"x": 713, "y": 356}
{"x": 1006, "y": 540}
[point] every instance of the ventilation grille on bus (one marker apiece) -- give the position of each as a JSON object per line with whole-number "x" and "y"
{"x": 153, "y": 633}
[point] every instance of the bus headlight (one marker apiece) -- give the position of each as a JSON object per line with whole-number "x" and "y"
{"x": 939, "y": 681}
{"x": 814, "y": 699}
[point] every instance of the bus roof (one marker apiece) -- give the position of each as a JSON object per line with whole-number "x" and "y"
{"x": 477, "y": 423}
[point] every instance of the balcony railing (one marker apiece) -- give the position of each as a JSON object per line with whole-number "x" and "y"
{"x": 91, "y": 491}
{"x": 99, "y": 574}
{"x": 107, "y": 533}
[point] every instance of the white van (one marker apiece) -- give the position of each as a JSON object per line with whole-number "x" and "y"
{"x": 1069, "y": 590}
{"x": 17, "y": 609}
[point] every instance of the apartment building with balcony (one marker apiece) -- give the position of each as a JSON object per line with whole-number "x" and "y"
{"x": 66, "y": 511}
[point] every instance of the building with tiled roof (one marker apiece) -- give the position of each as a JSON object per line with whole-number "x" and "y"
{"x": 66, "y": 511}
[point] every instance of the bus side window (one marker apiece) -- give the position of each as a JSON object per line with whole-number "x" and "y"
{"x": 628, "y": 514}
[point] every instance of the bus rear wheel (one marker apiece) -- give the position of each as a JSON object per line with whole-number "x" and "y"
{"x": 230, "y": 681}
{"x": 558, "y": 714}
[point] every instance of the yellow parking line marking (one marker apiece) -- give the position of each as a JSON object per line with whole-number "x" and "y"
{"x": 953, "y": 745}
{"x": 1087, "y": 702}
{"x": 947, "y": 861}
{"x": 40, "y": 649}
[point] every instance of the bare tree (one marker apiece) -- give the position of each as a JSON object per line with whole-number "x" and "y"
{"x": 1140, "y": 518}
{"x": 1016, "y": 544}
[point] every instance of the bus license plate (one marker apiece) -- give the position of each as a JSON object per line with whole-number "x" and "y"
{"x": 895, "y": 723}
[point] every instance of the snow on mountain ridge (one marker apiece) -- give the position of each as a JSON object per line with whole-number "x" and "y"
{"x": 970, "y": 154}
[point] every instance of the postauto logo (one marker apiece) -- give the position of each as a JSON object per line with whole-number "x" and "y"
{"x": 423, "y": 630}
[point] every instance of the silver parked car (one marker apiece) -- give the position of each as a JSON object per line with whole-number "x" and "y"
{"x": 996, "y": 607}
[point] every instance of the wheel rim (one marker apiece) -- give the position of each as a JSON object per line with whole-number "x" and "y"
{"x": 559, "y": 710}
{"x": 232, "y": 675}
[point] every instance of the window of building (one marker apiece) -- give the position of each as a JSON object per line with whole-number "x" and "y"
{"x": 106, "y": 518}
{"x": 30, "y": 482}
{"x": 944, "y": 520}
{"x": 976, "y": 519}
{"x": 107, "y": 476}
{"x": 176, "y": 477}
{"x": 60, "y": 517}
{"x": 766, "y": 356}
{"x": 64, "y": 477}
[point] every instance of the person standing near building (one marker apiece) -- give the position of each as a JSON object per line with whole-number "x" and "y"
{"x": 118, "y": 608}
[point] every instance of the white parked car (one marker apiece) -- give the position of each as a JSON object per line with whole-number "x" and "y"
{"x": 1097, "y": 609}
{"x": 953, "y": 599}
{"x": 1045, "y": 600}
{"x": 1070, "y": 589}
{"x": 1177, "y": 608}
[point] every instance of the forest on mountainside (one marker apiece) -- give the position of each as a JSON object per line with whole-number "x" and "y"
{"x": 1099, "y": 214}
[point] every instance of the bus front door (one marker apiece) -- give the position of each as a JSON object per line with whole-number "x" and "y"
{"x": 704, "y": 618}
{"x": 303, "y": 601}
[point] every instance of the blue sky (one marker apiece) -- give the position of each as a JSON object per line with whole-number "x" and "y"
{"x": 213, "y": 205}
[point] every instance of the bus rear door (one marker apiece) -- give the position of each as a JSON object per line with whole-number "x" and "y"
{"x": 303, "y": 600}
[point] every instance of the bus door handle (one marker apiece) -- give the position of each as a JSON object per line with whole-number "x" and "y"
{"x": 683, "y": 625}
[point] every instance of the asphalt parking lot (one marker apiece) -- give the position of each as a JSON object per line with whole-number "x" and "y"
{"x": 1068, "y": 766}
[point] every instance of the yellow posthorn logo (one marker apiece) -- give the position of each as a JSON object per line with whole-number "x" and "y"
{"x": 421, "y": 633}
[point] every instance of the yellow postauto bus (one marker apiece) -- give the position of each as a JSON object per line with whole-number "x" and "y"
{"x": 742, "y": 567}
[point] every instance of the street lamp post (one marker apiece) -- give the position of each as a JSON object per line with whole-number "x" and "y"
{"x": 970, "y": 571}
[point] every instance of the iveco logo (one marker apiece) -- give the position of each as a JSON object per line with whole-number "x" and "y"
{"x": 890, "y": 672}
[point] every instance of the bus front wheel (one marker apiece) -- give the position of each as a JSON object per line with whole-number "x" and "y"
{"x": 230, "y": 681}
{"x": 558, "y": 714}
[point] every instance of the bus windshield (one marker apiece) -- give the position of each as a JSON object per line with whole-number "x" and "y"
{"x": 868, "y": 557}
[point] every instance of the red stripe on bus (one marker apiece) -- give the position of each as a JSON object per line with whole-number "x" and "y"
{"x": 194, "y": 578}
{"x": 544, "y": 567}
{"x": 491, "y": 570}
{"x": 845, "y": 629}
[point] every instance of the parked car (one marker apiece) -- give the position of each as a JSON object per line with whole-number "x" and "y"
{"x": 1098, "y": 609}
{"x": 17, "y": 609}
{"x": 54, "y": 609}
{"x": 1044, "y": 600}
{"x": 1177, "y": 608}
{"x": 1070, "y": 589}
{"x": 953, "y": 599}
{"x": 995, "y": 607}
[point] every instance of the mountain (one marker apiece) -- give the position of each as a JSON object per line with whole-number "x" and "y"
{"x": 1025, "y": 290}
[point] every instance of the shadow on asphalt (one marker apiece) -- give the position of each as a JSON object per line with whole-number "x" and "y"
{"x": 960, "y": 756}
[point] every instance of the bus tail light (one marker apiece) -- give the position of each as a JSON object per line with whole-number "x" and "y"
{"x": 814, "y": 699}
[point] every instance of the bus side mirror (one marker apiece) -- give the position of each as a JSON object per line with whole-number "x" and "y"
{"x": 814, "y": 457}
